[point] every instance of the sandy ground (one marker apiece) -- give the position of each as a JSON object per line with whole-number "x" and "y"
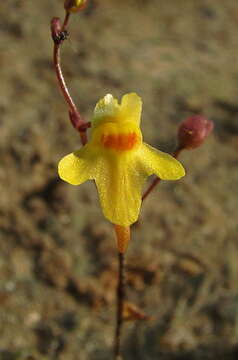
{"x": 58, "y": 262}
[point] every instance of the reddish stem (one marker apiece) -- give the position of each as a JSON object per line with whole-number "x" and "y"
{"x": 59, "y": 34}
{"x": 120, "y": 303}
{"x": 157, "y": 180}
{"x": 66, "y": 21}
{"x": 61, "y": 80}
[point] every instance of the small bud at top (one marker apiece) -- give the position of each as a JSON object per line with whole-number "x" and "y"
{"x": 193, "y": 131}
{"x": 74, "y": 5}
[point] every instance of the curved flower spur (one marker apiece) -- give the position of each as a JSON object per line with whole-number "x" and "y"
{"x": 118, "y": 160}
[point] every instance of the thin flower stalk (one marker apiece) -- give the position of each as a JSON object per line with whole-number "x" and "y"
{"x": 123, "y": 239}
{"x": 59, "y": 34}
{"x": 120, "y": 305}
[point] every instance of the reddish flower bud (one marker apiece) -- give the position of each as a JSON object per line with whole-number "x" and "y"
{"x": 193, "y": 131}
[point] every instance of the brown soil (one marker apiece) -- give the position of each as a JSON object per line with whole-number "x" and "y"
{"x": 58, "y": 263}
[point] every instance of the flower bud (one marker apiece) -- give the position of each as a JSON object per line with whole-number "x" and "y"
{"x": 74, "y": 5}
{"x": 193, "y": 131}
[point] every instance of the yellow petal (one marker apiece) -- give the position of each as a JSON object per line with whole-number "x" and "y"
{"x": 131, "y": 107}
{"x": 165, "y": 166}
{"x": 106, "y": 109}
{"x": 76, "y": 167}
{"x": 119, "y": 185}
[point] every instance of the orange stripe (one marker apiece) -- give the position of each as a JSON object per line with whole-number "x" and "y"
{"x": 119, "y": 141}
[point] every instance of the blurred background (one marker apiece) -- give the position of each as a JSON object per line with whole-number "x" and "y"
{"x": 58, "y": 264}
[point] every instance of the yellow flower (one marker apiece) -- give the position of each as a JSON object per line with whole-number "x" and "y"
{"x": 74, "y": 5}
{"x": 118, "y": 160}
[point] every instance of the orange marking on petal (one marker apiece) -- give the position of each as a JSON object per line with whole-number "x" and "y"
{"x": 132, "y": 140}
{"x": 108, "y": 140}
{"x": 119, "y": 142}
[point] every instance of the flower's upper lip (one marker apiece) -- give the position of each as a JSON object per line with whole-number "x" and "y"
{"x": 101, "y": 123}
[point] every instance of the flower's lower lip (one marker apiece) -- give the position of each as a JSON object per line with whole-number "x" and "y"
{"x": 120, "y": 142}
